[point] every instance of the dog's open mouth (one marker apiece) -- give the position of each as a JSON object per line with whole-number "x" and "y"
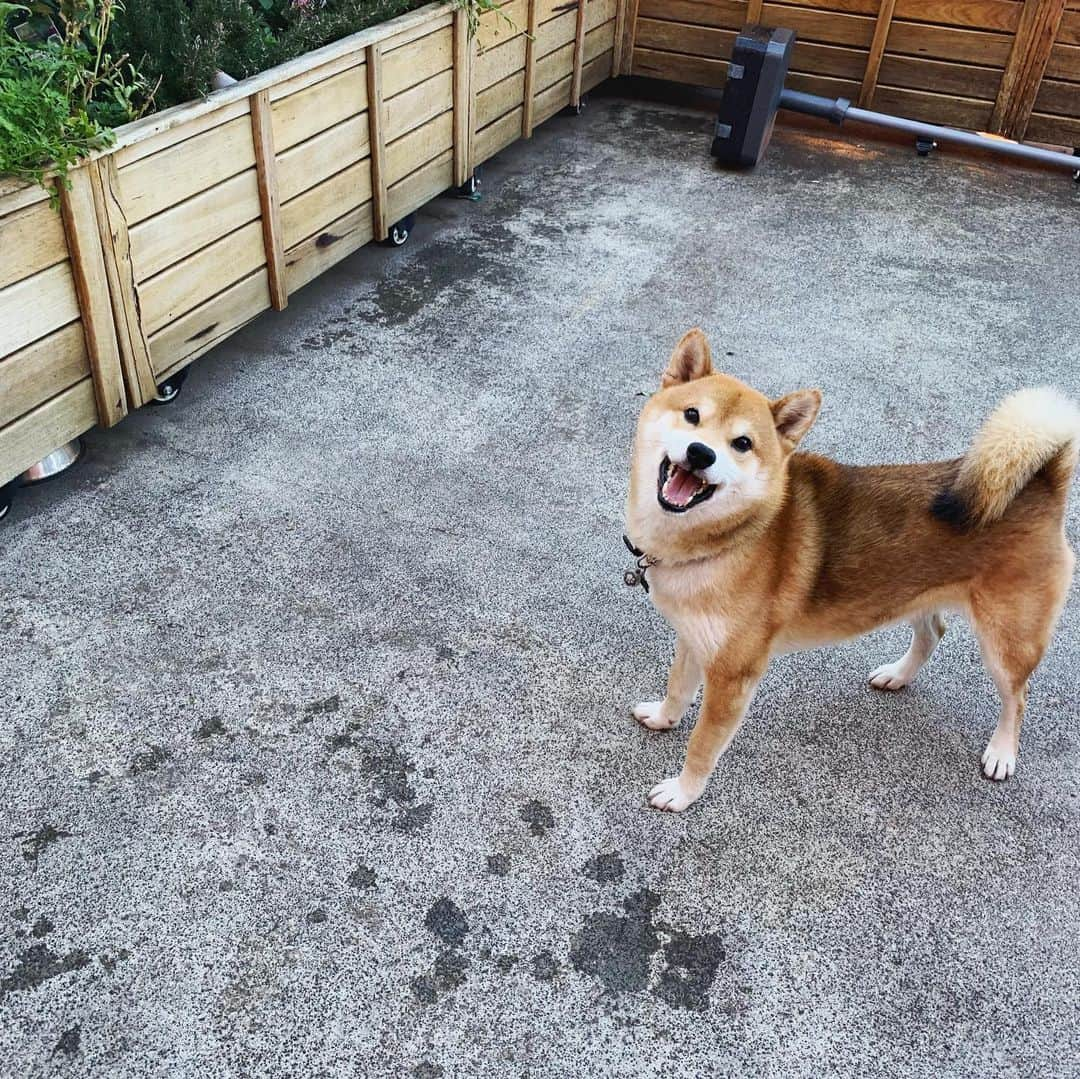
{"x": 678, "y": 490}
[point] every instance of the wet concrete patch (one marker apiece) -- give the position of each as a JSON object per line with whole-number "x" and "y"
{"x": 538, "y": 817}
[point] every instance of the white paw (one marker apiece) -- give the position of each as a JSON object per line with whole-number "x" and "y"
{"x": 671, "y": 795}
{"x": 651, "y": 714}
{"x": 891, "y": 676}
{"x": 998, "y": 763}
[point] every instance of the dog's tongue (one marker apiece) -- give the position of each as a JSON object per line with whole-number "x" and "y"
{"x": 681, "y": 486}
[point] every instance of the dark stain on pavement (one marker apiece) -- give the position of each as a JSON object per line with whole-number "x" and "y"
{"x": 538, "y": 817}
{"x": 498, "y": 865}
{"x": 149, "y": 760}
{"x": 362, "y": 876}
{"x": 34, "y": 843}
{"x": 209, "y": 727}
{"x": 447, "y": 922}
{"x": 618, "y": 950}
{"x": 692, "y": 963}
{"x": 605, "y": 868}
{"x": 38, "y": 965}
{"x": 69, "y": 1042}
{"x": 544, "y": 967}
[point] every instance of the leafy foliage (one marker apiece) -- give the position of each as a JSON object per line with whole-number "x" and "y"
{"x": 60, "y": 93}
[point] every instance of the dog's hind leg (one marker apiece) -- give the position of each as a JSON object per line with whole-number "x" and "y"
{"x": 1013, "y": 633}
{"x": 926, "y": 632}
{"x": 683, "y": 680}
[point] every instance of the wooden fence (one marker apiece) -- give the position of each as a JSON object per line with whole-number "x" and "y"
{"x": 204, "y": 216}
{"x": 1011, "y": 67}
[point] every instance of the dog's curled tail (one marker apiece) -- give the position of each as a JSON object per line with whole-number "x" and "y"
{"x": 1032, "y": 431}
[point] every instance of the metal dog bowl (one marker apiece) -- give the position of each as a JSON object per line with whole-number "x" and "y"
{"x": 60, "y": 460}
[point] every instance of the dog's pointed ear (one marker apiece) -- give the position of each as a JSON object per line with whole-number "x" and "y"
{"x": 690, "y": 360}
{"x": 794, "y": 415}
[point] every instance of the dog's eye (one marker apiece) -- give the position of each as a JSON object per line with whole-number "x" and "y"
{"x": 691, "y": 415}
{"x": 742, "y": 444}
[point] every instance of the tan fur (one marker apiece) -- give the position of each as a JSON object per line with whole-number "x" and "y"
{"x": 799, "y": 550}
{"x": 1023, "y": 435}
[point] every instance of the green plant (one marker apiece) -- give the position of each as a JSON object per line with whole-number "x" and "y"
{"x": 58, "y": 95}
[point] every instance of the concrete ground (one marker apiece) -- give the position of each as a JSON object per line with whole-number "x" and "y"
{"x": 316, "y": 756}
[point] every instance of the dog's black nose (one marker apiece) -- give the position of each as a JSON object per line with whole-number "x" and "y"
{"x": 699, "y": 456}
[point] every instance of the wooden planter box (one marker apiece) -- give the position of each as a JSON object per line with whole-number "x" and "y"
{"x": 202, "y": 217}
{"x": 1007, "y": 66}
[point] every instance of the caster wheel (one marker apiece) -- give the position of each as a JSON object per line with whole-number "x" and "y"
{"x": 470, "y": 189}
{"x": 7, "y": 493}
{"x": 579, "y": 108}
{"x": 401, "y": 231}
{"x": 169, "y": 390}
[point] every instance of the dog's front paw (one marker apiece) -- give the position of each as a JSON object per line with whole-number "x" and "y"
{"x": 651, "y": 714}
{"x": 890, "y": 676}
{"x": 672, "y": 795}
{"x": 998, "y": 761}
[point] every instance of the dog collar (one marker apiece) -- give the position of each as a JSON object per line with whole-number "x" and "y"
{"x": 636, "y": 576}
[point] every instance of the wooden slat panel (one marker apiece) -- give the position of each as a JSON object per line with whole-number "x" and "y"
{"x": 1061, "y": 98}
{"x": 438, "y": 17}
{"x": 598, "y": 41}
{"x": 324, "y": 105}
{"x": 418, "y": 61}
{"x": 826, "y": 27}
{"x": 190, "y": 283}
{"x": 315, "y": 74}
{"x": 529, "y": 85}
{"x": 30, "y": 241}
{"x": 549, "y": 101}
{"x": 725, "y": 14}
{"x": 1060, "y": 130}
{"x": 598, "y": 69}
{"x": 377, "y": 132}
{"x": 1069, "y": 32}
{"x": 498, "y": 135}
{"x": 1064, "y": 63}
{"x": 1001, "y": 15}
{"x": 1027, "y": 64}
{"x": 270, "y": 218}
{"x": 819, "y": 84}
{"x": 499, "y": 100}
{"x": 319, "y": 252}
{"x": 464, "y": 98}
{"x": 407, "y": 154}
{"x": 317, "y": 159}
{"x": 155, "y": 183}
{"x": 35, "y": 306}
{"x": 315, "y": 209}
{"x": 579, "y": 56}
{"x": 555, "y": 66}
{"x": 421, "y": 186}
{"x": 934, "y": 108}
{"x": 630, "y": 20}
{"x": 123, "y": 290}
{"x": 130, "y": 150}
{"x": 41, "y": 370}
{"x": 682, "y": 38}
{"x": 92, "y": 290}
{"x": 38, "y": 433}
{"x": 877, "y": 51}
{"x": 184, "y": 229}
{"x": 418, "y": 105}
{"x": 497, "y": 27}
{"x": 497, "y": 64}
{"x": 598, "y": 12}
{"x": 942, "y": 43}
{"x": 553, "y": 9}
{"x": 695, "y": 70}
{"x": 964, "y": 80}
{"x": 190, "y": 336}
{"x": 17, "y": 195}
{"x": 837, "y": 61}
{"x": 556, "y": 33}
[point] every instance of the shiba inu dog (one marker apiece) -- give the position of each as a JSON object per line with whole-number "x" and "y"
{"x": 752, "y": 549}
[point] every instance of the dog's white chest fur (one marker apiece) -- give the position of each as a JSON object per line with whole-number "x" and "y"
{"x": 688, "y": 597}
